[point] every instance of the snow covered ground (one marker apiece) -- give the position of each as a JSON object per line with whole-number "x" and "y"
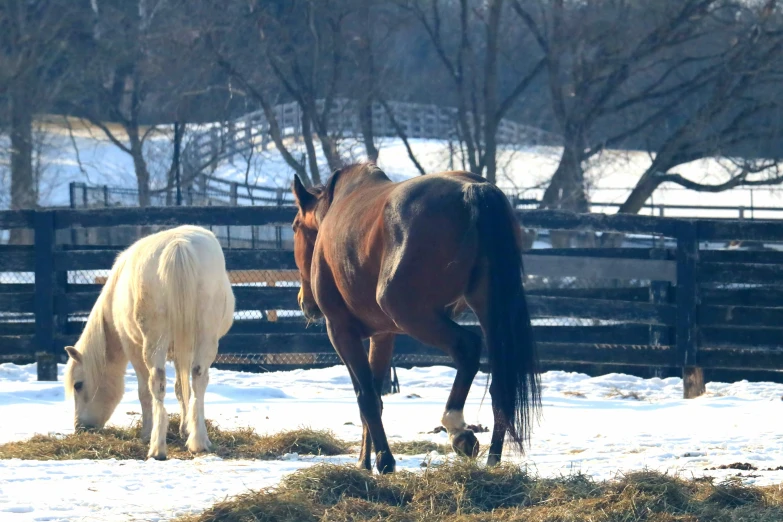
{"x": 85, "y": 154}
{"x": 586, "y": 426}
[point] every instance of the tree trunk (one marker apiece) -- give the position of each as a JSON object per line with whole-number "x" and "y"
{"x": 368, "y": 85}
{"x": 490, "y": 91}
{"x": 139, "y": 165}
{"x": 312, "y": 160}
{"x": 328, "y": 143}
{"x": 566, "y": 191}
{"x": 490, "y": 155}
{"x": 23, "y": 189}
{"x": 641, "y": 192}
{"x": 330, "y": 151}
{"x": 635, "y": 201}
{"x": 368, "y": 133}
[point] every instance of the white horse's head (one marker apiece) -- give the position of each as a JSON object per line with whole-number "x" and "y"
{"x": 95, "y": 394}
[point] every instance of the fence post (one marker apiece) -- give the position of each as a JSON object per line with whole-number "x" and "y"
{"x": 72, "y": 194}
{"x": 687, "y": 308}
{"x": 44, "y": 295}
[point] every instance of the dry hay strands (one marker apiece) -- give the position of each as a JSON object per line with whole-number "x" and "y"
{"x": 125, "y": 443}
{"x": 243, "y": 443}
{"x": 615, "y": 392}
{"x": 463, "y": 490}
{"x": 418, "y": 447}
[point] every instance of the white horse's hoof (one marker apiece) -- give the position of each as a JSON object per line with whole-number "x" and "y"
{"x": 157, "y": 455}
{"x": 196, "y": 446}
{"x": 157, "y": 450}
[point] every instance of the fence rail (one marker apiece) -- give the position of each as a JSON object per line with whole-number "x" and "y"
{"x": 418, "y": 121}
{"x": 680, "y": 306}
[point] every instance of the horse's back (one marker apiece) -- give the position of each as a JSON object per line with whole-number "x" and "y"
{"x": 206, "y": 248}
{"x": 433, "y": 206}
{"x": 417, "y": 234}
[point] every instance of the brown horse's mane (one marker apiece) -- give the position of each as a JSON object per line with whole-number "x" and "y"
{"x": 345, "y": 173}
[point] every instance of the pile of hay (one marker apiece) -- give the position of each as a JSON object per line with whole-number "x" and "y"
{"x": 125, "y": 443}
{"x": 243, "y": 443}
{"x": 465, "y": 491}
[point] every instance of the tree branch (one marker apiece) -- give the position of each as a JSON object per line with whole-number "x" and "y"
{"x": 109, "y": 134}
{"x": 531, "y": 25}
{"x": 401, "y": 133}
{"x": 739, "y": 180}
{"x": 520, "y": 87}
{"x": 274, "y": 127}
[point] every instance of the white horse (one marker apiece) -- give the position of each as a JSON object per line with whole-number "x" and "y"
{"x": 168, "y": 296}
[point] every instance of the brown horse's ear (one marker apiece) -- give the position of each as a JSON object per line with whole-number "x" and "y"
{"x": 304, "y": 198}
{"x": 73, "y": 353}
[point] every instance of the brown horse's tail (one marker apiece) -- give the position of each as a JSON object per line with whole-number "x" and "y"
{"x": 513, "y": 357}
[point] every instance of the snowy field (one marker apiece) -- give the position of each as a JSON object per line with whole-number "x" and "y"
{"x": 586, "y": 426}
{"x": 84, "y": 154}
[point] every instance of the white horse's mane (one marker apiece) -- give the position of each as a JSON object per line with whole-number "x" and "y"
{"x": 92, "y": 343}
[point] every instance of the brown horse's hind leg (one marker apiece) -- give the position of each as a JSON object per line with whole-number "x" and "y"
{"x": 464, "y": 346}
{"x": 348, "y": 344}
{"x": 381, "y": 349}
{"x": 477, "y": 302}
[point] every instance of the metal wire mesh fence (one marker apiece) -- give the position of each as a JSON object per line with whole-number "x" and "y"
{"x": 540, "y": 285}
{"x": 208, "y": 193}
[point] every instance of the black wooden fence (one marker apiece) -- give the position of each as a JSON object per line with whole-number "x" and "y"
{"x": 680, "y": 302}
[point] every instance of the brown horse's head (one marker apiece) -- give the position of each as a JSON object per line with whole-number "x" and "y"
{"x": 305, "y": 227}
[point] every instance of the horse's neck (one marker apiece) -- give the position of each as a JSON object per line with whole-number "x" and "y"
{"x": 111, "y": 339}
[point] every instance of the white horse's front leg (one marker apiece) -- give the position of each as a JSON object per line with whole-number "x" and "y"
{"x": 197, "y": 425}
{"x": 145, "y": 397}
{"x": 160, "y": 419}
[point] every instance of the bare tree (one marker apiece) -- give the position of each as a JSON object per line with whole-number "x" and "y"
{"x": 615, "y": 69}
{"x": 471, "y": 40}
{"x": 363, "y": 42}
{"x": 35, "y": 37}
{"x": 130, "y": 75}
{"x": 288, "y": 51}
{"x": 736, "y": 115}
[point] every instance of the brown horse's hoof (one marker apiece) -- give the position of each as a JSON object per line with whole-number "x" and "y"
{"x": 385, "y": 462}
{"x": 466, "y": 444}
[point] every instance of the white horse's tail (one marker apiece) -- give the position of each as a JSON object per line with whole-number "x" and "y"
{"x": 178, "y": 273}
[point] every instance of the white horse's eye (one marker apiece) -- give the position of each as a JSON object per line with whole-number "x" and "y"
{"x": 78, "y": 386}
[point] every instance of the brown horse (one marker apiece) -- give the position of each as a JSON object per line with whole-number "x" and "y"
{"x": 378, "y": 258}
